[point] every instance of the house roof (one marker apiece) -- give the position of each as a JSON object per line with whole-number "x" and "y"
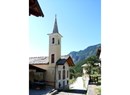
{"x": 61, "y": 61}
{"x": 64, "y": 59}
{"x": 34, "y": 8}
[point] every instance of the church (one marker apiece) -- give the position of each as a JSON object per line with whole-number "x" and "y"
{"x": 53, "y": 69}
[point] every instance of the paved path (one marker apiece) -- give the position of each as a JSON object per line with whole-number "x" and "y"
{"x": 78, "y": 84}
{"x": 91, "y": 90}
{"x": 77, "y": 88}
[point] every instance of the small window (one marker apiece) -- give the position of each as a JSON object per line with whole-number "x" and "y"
{"x": 52, "y": 58}
{"x": 58, "y": 42}
{"x": 67, "y": 82}
{"x": 59, "y": 75}
{"x": 63, "y": 67}
{"x": 53, "y": 40}
{"x": 67, "y": 74}
{"x": 63, "y": 74}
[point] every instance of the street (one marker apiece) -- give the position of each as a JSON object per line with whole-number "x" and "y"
{"x": 79, "y": 87}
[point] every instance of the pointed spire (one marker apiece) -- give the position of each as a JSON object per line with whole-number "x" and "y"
{"x": 55, "y": 29}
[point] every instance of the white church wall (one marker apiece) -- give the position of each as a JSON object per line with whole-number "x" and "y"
{"x": 59, "y": 68}
{"x": 63, "y": 82}
{"x": 66, "y": 69}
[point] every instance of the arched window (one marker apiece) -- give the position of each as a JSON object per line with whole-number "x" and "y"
{"x": 53, "y": 40}
{"x": 52, "y": 58}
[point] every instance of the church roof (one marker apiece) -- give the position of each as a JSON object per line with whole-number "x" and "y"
{"x": 45, "y": 60}
{"x": 38, "y": 60}
{"x": 55, "y": 29}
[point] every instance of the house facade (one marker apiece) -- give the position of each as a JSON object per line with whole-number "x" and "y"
{"x": 55, "y": 67}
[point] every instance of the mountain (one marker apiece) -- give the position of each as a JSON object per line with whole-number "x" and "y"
{"x": 84, "y": 54}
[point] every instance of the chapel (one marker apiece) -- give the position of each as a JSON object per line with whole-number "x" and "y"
{"x": 52, "y": 69}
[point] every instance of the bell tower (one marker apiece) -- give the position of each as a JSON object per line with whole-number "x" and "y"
{"x": 54, "y": 45}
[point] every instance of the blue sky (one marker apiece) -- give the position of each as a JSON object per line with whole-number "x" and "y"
{"x": 79, "y": 22}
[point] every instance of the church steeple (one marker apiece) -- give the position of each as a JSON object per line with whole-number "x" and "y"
{"x": 55, "y": 29}
{"x": 54, "y": 45}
